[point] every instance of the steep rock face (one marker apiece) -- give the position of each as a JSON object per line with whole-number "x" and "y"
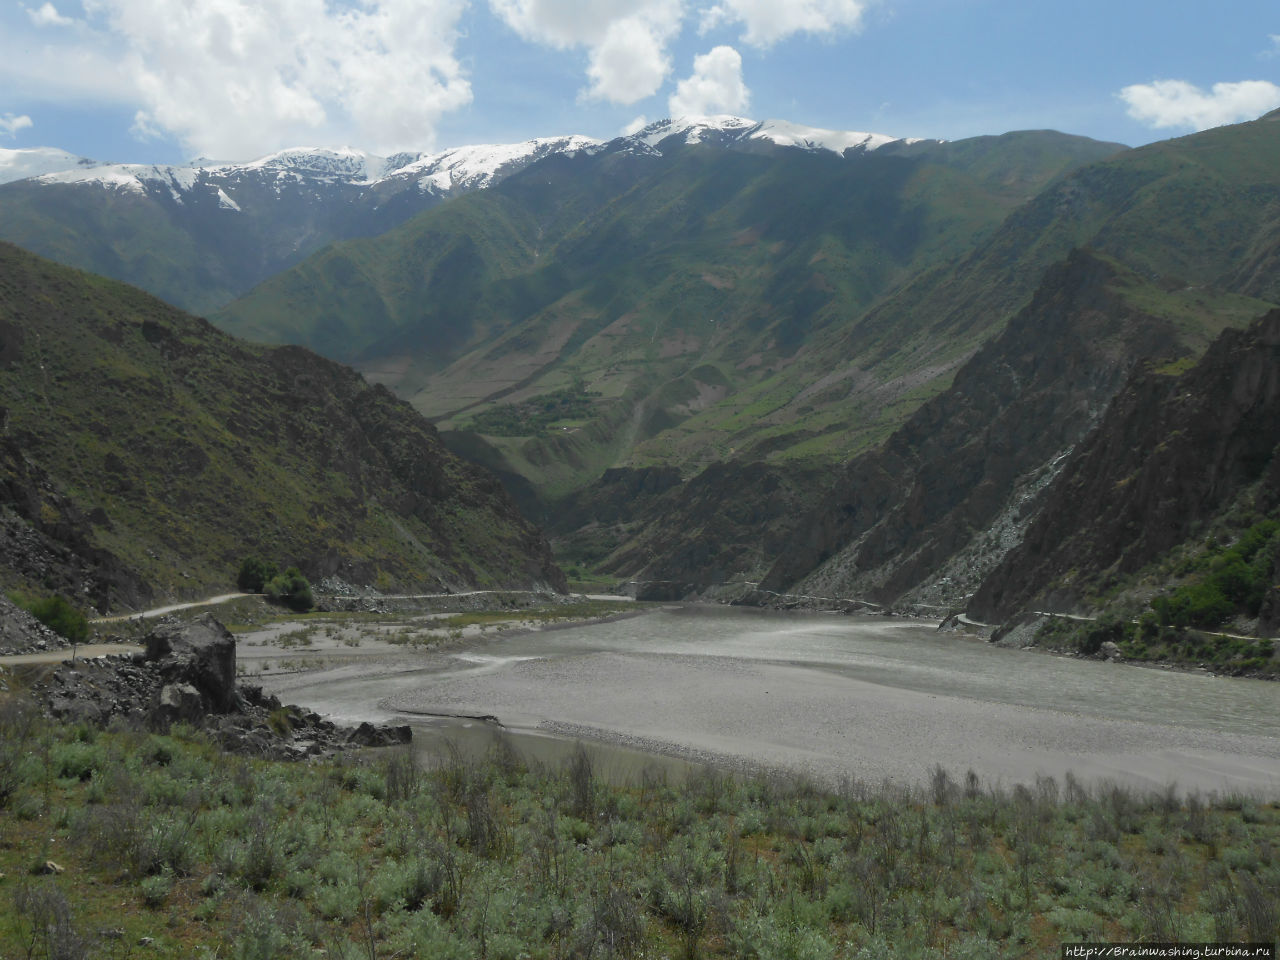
{"x": 1170, "y": 453}
{"x": 622, "y": 494}
{"x": 145, "y": 452}
{"x": 722, "y": 527}
{"x": 898, "y": 514}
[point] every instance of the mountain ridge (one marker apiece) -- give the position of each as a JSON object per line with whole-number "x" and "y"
{"x": 144, "y": 453}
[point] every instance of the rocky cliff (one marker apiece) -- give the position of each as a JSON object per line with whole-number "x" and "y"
{"x": 1172, "y": 453}
{"x": 947, "y": 494}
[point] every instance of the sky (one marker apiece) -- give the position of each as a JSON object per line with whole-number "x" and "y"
{"x": 167, "y": 81}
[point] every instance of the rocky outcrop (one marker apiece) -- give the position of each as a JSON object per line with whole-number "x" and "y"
{"x": 900, "y": 513}
{"x": 46, "y": 539}
{"x": 22, "y": 633}
{"x": 717, "y": 530}
{"x": 188, "y": 674}
{"x": 1172, "y": 452}
{"x": 201, "y": 656}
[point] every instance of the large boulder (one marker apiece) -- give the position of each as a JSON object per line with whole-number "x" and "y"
{"x": 201, "y": 653}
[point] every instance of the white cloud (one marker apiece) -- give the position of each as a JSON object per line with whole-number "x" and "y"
{"x": 635, "y": 126}
{"x": 626, "y": 40}
{"x": 10, "y": 125}
{"x": 715, "y": 87}
{"x": 1176, "y": 103}
{"x": 234, "y": 79}
{"x": 629, "y": 64}
{"x": 48, "y": 16}
{"x": 768, "y": 21}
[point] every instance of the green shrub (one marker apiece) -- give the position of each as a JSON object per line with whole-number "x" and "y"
{"x": 255, "y": 573}
{"x": 290, "y": 588}
{"x": 1109, "y": 628}
{"x": 57, "y": 614}
{"x": 1236, "y": 581}
{"x": 155, "y": 890}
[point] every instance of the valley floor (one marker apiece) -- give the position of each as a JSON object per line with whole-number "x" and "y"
{"x": 825, "y": 696}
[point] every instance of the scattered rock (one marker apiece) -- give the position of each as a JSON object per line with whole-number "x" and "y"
{"x": 1110, "y": 651}
{"x": 188, "y": 675}
{"x": 52, "y": 869}
{"x": 367, "y": 735}
{"x": 20, "y": 632}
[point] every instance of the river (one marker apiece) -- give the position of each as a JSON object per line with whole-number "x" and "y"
{"x": 834, "y": 697}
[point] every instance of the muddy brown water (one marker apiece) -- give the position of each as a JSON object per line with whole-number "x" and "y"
{"x": 833, "y": 697}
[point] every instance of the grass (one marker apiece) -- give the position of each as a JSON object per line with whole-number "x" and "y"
{"x": 161, "y": 836}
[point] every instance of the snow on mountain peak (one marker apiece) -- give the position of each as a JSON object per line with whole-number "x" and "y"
{"x": 35, "y": 161}
{"x": 786, "y": 134}
{"x": 476, "y": 165}
{"x": 693, "y": 128}
{"x": 345, "y": 163}
{"x": 460, "y": 168}
{"x": 780, "y": 132}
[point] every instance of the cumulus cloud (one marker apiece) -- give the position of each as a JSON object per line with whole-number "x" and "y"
{"x": 715, "y": 87}
{"x": 635, "y": 126}
{"x": 10, "y": 125}
{"x": 48, "y": 16}
{"x": 1176, "y": 103}
{"x": 626, "y": 40}
{"x": 238, "y": 78}
{"x": 766, "y": 22}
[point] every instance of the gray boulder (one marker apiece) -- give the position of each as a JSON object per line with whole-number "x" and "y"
{"x": 180, "y": 701}
{"x": 201, "y": 653}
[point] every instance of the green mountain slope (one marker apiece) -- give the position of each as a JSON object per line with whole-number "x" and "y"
{"x": 671, "y": 301}
{"x": 144, "y": 453}
{"x": 1177, "y": 233}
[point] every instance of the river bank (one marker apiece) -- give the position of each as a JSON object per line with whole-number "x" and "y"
{"x": 830, "y": 697}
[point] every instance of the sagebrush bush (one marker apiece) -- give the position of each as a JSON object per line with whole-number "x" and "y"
{"x": 56, "y": 613}
{"x": 488, "y": 857}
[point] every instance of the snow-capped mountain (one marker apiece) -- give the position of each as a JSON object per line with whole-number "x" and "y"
{"x": 34, "y": 161}
{"x": 459, "y": 169}
{"x": 472, "y": 167}
{"x": 203, "y": 233}
{"x": 731, "y": 131}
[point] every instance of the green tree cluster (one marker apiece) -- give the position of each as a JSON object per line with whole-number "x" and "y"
{"x": 254, "y": 574}
{"x": 535, "y": 415}
{"x": 262, "y": 576}
{"x": 1235, "y": 581}
{"x": 291, "y": 589}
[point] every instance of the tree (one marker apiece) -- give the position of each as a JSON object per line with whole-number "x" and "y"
{"x": 254, "y": 574}
{"x": 290, "y": 588}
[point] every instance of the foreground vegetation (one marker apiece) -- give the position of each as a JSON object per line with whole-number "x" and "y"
{"x": 108, "y": 840}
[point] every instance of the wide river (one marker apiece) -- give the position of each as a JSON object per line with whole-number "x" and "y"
{"x": 835, "y": 697}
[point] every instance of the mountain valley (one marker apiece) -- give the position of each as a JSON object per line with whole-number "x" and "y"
{"x": 750, "y": 362}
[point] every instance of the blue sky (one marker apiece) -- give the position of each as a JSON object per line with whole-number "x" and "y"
{"x": 168, "y": 80}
